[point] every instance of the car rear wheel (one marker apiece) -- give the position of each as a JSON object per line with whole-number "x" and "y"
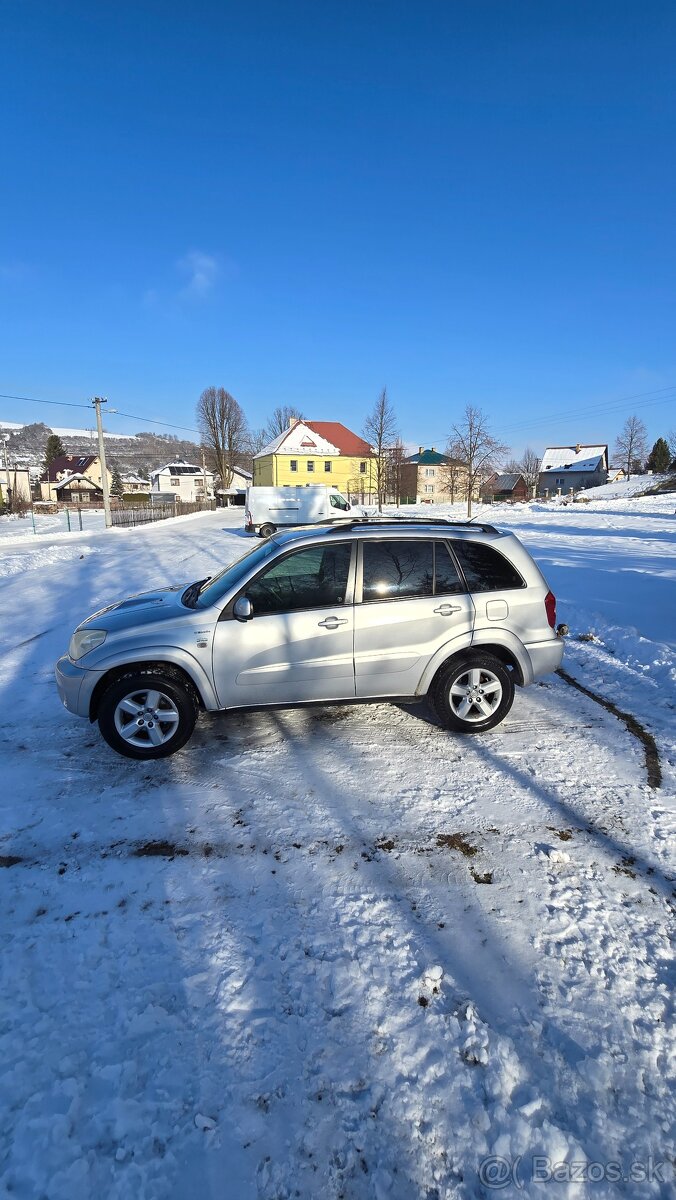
{"x": 267, "y": 530}
{"x": 147, "y": 715}
{"x": 473, "y": 694}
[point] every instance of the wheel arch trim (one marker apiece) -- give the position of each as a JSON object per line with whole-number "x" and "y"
{"x": 179, "y": 662}
{"x": 504, "y": 647}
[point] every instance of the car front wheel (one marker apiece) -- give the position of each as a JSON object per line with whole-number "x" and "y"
{"x": 147, "y": 715}
{"x": 473, "y": 694}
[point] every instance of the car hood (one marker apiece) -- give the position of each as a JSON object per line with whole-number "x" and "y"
{"x": 159, "y": 605}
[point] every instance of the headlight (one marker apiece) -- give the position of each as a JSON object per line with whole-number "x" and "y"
{"x": 84, "y": 640}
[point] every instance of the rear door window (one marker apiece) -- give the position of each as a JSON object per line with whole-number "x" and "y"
{"x": 397, "y": 570}
{"x": 485, "y": 569}
{"x": 447, "y": 581}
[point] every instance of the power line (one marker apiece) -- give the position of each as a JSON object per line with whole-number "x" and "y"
{"x": 592, "y": 410}
{"x": 34, "y": 400}
{"x": 111, "y": 412}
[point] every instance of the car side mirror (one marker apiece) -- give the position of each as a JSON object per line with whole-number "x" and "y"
{"x": 243, "y": 609}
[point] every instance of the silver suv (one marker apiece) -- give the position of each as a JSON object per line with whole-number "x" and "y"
{"x": 380, "y": 609}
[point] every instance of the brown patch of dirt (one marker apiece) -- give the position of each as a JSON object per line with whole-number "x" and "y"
{"x": 10, "y": 860}
{"x": 456, "y": 841}
{"x": 160, "y": 850}
{"x": 487, "y": 877}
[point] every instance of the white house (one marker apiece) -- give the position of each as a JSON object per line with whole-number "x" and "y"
{"x": 236, "y": 493}
{"x": 135, "y": 483}
{"x": 183, "y": 480}
{"x": 569, "y": 468}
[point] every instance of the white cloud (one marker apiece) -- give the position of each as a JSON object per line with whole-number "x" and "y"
{"x": 201, "y": 272}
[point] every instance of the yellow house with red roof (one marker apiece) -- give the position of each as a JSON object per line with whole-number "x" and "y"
{"x": 318, "y": 452}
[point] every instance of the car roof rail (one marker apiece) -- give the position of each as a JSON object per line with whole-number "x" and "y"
{"x": 383, "y": 519}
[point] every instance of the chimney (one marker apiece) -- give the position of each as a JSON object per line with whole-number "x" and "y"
{"x": 577, "y": 448}
{"x": 293, "y": 421}
{"x": 434, "y": 449}
{"x": 420, "y": 449}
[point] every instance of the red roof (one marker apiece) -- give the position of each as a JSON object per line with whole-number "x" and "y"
{"x": 341, "y": 437}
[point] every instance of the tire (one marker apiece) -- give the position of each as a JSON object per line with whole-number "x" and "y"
{"x": 267, "y": 530}
{"x": 473, "y": 694}
{"x": 125, "y": 720}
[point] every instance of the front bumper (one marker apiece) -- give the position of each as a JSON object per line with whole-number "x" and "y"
{"x": 75, "y": 686}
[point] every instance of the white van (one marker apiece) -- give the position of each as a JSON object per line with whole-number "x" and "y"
{"x": 272, "y": 508}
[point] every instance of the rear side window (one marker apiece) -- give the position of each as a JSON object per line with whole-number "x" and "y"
{"x": 485, "y": 569}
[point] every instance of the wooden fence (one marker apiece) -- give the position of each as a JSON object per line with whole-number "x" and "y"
{"x": 147, "y": 513}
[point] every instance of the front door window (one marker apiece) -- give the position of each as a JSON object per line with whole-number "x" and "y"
{"x": 315, "y": 577}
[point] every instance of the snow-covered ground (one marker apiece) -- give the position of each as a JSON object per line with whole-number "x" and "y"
{"x": 341, "y": 952}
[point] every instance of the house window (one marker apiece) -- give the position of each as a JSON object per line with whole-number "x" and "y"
{"x": 175, "y": 482}
{"x": 429, "y": 472}
{"x": 293, "y": 465}
{"x": 362, "y": 468}
{"x": 327, "y": 467}
{"x": 429, "y": 487}
{"x": 310, "y": 464}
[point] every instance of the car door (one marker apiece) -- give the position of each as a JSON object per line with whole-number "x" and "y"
{"x": 298, "y": 644}
{"x": 410, "y": 602}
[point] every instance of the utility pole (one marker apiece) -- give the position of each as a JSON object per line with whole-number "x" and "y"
{"x": 97, "y": 402}
{"x": 8, "y": 495}
{"x": 204, "y": 474}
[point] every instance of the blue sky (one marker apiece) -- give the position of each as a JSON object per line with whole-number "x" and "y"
{"x": 461, "y": 200}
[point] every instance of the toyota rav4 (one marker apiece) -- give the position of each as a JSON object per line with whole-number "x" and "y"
{"x": 380, "y": 609}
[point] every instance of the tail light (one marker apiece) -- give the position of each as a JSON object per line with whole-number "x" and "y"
{"x": 550, "y": 608}
{"x": 247, "y": 517}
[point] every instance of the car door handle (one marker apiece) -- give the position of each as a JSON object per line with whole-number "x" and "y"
{"x": 333, "y": 622}
{"x": 445, "y": 610}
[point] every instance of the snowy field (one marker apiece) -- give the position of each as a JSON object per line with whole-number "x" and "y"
{"x": 340, "y": 952}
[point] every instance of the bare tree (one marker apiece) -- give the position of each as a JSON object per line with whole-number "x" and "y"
{"x": 396, "y": 457}
{"x": 529, "y": 467}
{"x": 452, "y": 477}
{"x": 223, "y": 429}
{"x": 380, "y": 431}
{"x": 280, "y": 420}
{"x": 671, "y": 442}
{"x": 471, "y": 441}
{"x": 632, "y": 444}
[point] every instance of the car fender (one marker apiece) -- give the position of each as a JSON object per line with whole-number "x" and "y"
{"x": 481, "y": 638}
{"x": 168, "y": 654}
{"x": 453, "y": 646}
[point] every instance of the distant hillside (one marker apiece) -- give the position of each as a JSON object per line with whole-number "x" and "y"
{"x": 138, "y": 453}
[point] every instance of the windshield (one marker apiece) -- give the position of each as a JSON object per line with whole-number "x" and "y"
{"x": 216, "y": 587}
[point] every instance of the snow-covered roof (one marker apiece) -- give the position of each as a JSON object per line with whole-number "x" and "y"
{"x": 317, "y": 437}
{"x": 573, "y": 458}
{"x": 68, "y": 479}
{"x": 506, "y": 482}
{"x": 299, "y": 439}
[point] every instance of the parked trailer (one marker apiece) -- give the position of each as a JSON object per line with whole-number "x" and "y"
{"x": 272, "y": 508}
